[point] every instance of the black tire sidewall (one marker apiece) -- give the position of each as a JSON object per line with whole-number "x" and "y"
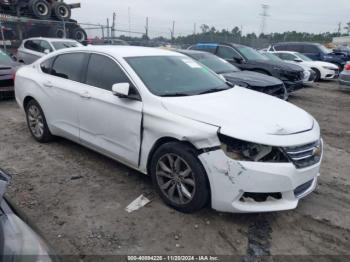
{"x": 32, "y": 8}
{"x": 318, "y": 75}
{"x": 202, "y": 191}
{"x": 55, "y": 8}
{"x": 78, "y": 30}
{"x": 47, "y": 136}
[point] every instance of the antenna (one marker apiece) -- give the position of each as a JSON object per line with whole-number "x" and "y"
{"x": 264, "y": 16}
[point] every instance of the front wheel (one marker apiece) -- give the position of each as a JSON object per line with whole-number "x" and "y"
{"x": 179, "y": 177}
{"x": 37, "y": 122}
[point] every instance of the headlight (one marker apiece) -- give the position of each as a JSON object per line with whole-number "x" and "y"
{"x": 329, "y": 67}
{"x": 247, "y": 151}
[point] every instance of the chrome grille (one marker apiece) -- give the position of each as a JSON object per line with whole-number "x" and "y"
{"x": 305, "y": 155}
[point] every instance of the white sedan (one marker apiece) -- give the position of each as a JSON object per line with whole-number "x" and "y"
{"x": 201, "y": 139}
{"x": 324, "y": 70}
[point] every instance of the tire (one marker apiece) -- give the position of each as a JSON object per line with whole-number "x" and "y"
{"x": 39, "y": 130}
{"x": 40, "y": 9}
{"x": 184, "y": 186}
{"x": 57, "y": 32}
{"x": 78, "y": 34}
{"x": 61, "y": 11}
{"x": 318, "y": 74}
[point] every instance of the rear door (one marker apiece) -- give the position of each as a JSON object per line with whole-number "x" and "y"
{"x": 109, "y": 123}
{"x": 30, "y": 51}
{"x": 62, "y": 83}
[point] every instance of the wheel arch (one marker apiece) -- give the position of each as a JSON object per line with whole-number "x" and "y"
{"x": 26, "y": 101}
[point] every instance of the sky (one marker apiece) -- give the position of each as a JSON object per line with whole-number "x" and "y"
{"x": 284, "y": 15}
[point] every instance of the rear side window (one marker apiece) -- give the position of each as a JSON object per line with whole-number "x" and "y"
{"x": 205, "y": 47}
{"x": 69, "y": 66}
{"x": 310, "y": 49}
{"x": 103, "y": 72}
{"x": 33, "y": 45}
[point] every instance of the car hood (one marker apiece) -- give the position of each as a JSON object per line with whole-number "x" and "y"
{"x": 253, "y": 79}
{"x": 243, "y": 114}
{"x": 320, "y": 63}
{"x": 278, "y": 64}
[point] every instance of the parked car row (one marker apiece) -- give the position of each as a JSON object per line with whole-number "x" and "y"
{"x": 201, "y": 139}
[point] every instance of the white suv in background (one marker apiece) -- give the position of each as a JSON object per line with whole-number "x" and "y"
{"x": 32, "y": 49}
{"x": 324, "y": 70}
{"x": 162, "y": 113}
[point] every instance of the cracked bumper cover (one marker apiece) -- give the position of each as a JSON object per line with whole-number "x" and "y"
{"x": 230, "y": 179}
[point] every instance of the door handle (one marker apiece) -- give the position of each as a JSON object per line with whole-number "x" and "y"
{"x": 48, "y": 84}
{"x": 85, "y": 95}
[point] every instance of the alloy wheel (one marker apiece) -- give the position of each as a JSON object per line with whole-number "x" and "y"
{"x": 36, "y": 121}
{"x": 175, "y": 179}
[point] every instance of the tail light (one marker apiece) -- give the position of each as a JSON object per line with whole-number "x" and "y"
{"x": 347, "y": 67}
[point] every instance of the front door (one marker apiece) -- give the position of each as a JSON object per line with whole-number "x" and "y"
{"x": 109, "y": 123}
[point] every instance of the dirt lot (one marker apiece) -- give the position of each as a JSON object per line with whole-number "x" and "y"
{"x": 77, "y": 197}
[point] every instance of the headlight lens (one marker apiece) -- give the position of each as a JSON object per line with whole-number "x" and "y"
{"x": 247, "y": 151}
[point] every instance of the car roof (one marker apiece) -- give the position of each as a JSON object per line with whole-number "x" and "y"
{"x": 191, "y": 52}
{"x": 51, "y": 39}
{"x": 124, "y": 51}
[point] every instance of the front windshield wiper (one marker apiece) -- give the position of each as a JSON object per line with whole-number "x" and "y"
{"x": 213, "y": 90}
{"x": 175, "y": 94}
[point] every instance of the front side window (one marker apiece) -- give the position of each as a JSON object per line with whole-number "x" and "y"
{"x": 310, "y": 49}
{"x": 218, "y": 65}
{"x": 250, "y": 53}
{"x": 287, "y": 56}
{"x": 103, "y": 72}
{"x": 175, "y": 75}
{"x": 69, "y": 66}
{"x": 46, "y": 65}
{"x": 44, "y": 45}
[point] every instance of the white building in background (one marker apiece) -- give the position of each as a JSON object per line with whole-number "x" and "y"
{"x": 343, "y": 40}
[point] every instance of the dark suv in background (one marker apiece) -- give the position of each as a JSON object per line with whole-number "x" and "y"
{"x": 247, "y": 58}
{"x": 314, "y": 51}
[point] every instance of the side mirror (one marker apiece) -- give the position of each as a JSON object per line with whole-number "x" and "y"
{"x": 121, "y": 90}
{"x": 238, "y": 60}
{"x": 298, "y": 60}
{"x": 47, "y": 51}
{"x": 4, "y": 180}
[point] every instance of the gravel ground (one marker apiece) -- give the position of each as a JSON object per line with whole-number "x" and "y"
{"x": 77, "y": 197}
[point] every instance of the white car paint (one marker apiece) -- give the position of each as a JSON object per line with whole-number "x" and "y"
{"x": 113, "y": 126}
{"x": 28, "y": 56}
{"x": 327, "y": 70}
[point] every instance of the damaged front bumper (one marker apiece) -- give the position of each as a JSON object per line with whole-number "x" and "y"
{"x": 251, "y": 187}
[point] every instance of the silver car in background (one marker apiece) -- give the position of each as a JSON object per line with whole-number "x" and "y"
{"x": 34, "y": 48}
{"x": 344, "y": 77}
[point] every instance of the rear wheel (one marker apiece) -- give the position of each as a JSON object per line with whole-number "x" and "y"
{"x": 179, "y": 177}
{"x": 40, "y": 9}
{"x": 61, "y": 11}
{"x": 37, "y": 122}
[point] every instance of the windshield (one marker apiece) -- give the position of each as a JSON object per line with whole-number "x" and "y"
{"x": 303, "y": 57}
{"x": 325, "y": 49}
{"x": 218, "y": 65}
{"x": 272, "y": 56}
{"x": 250, "y": 53}
{"x": 175, "y": 75}
{"x": 5, "y": 58}
{"x": 62, "y": 45}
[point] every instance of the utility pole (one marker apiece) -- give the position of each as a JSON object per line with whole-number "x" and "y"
{"x": 108, "y": 29}
{"x": 264, "y": 16}
{"x": 113, "y": 25}
{"x": 129, "y": 20}
{"x": 172, "y": 31}
{"x": 194, "y": 32}
{"x": 147, "y": 27}
{"x": 339, "y": 28}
